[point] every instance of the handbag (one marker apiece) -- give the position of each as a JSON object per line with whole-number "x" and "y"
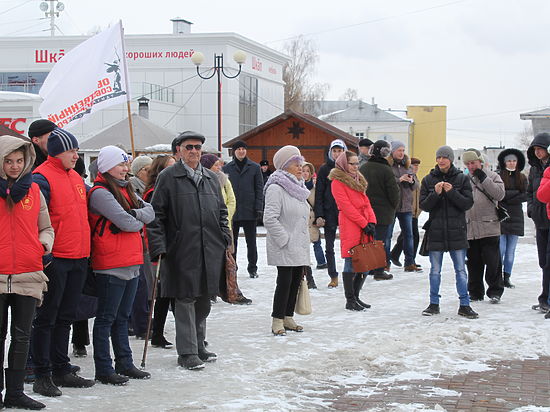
{"x": 502, "y": 212}
{"x": 303, "y": 300}
{"x": 368, "y": 255}
{"x": 423, "y": 250}
{"x": 229, "y": 291}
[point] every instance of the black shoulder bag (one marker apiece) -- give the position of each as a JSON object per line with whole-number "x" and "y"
{"x": 502, "y": 212}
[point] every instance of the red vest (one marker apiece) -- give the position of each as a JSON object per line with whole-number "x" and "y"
{"x": 111, "y": 250}
{"x": 20, "y": 249}
{"x": 68, "y": 210}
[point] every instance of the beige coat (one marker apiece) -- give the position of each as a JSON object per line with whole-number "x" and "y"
{"x": 482, "y": 220}
{"x": 31, "y": 283}
{"x": 314, "y": 232}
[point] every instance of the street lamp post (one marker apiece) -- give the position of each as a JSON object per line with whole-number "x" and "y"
{"x": 218, "y": 69}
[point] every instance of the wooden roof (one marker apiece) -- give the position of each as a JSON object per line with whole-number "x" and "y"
{"x": 351, "y": 141}
{"x": 7, "y": 131}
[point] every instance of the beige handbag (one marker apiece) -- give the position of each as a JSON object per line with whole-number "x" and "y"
{"x": 303, "y": 301}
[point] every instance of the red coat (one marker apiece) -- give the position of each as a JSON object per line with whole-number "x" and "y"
{"x": 543, "y": 192}
{"x": 68, "y": 210}
{"x": 20, "y": 249}
{"x": 354, "y": 206}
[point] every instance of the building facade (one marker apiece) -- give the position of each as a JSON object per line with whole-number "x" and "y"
{"x": 160, "y": 69}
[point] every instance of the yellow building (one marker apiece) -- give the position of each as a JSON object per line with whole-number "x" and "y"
{"x": 428, "y": 133}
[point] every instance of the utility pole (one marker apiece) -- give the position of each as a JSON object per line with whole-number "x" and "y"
{"x": 52, "y": 11}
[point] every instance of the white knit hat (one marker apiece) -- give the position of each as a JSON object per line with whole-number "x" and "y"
{"x": 284, "y": 154}
{"x": 109, "y": 157}
{"x": 139, "y": 163}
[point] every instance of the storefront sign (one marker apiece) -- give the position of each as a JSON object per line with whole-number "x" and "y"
{"x": 13, "y": 122}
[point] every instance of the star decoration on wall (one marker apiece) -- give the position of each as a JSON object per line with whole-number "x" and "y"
{"x": 296, "y": 130}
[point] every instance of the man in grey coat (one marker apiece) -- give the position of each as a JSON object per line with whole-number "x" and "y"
{"x": 483, "y": 229}
{"x": 191, "y": 233}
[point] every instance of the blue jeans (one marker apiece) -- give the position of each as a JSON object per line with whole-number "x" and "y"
{"x": 459, "y": 258}
{"x": 114, "y": 305}
{"x": 319, "y": 254}
{"x": 405, "y": 223}
{"x": 508, "y": 245}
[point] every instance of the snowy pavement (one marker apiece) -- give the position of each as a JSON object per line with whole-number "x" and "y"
{"x": 390, "y": 342}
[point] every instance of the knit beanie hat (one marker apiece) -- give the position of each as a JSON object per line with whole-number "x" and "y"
{"x": 139, "y": 163}
{"x": 208, "y": 160}
{"x": 284, "y": 155}
{"x": 471, "y": 155}
{"x": 238, "y": 144}
{"x": 446, "y": 152}
{"x": 40, "y": 127}
{"x": 381, "y": 148}
{"x": 511, "y": 156}
{"x": 60, "y": 141}
{"x": 109, "y": 157}
{"x": 396, "y": 144}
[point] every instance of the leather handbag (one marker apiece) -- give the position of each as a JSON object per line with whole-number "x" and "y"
{"x": 229, "y": 291}
{"x": 303, "y": 300}
{"x": 368, "y": 255}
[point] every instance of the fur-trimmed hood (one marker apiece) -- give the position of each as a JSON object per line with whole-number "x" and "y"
{"x": 517, "y": 153}
{"x": 341, "y": 176}
{"x": 406, "y": 161}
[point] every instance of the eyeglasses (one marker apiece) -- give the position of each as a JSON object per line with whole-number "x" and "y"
{"x": 353, "y": 164}
{"x": 193, "y": 146}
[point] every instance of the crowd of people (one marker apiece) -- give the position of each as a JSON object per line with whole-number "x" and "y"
{"x": 180, "y": 215}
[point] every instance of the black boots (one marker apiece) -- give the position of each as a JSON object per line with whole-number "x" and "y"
{"x": 507, "y": 283}
{"x": 309, "y": 277}
{"x": 351, "y": 300}
{"x": 15, "y": 397}
{"x": 357, "y": 286}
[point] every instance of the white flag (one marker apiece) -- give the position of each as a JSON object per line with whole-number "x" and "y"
{"x": 90, "y": 77}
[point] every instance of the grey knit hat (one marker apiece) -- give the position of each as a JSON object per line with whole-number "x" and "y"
{"x": 396, "y": 144}
{"x": 447, "y": 152}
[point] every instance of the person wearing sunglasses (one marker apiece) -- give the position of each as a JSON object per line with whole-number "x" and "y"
{"x": 191, "y": 234}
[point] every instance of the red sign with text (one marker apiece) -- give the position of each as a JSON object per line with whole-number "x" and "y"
{"x": 13, "y": 123}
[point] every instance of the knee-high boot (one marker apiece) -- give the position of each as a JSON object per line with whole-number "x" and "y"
{"x": 351, "y": 302}
{"x": 358, "y": 282}
{"x": 15, "y": 397}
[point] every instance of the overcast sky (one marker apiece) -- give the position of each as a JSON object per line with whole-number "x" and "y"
{"x": 486, "y": 60}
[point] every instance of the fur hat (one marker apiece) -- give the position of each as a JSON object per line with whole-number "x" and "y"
{"x": 109, "y": 157}
{"x": 415, "y": 161}
{"x": 40, "y": 127}
{"x": 60, "y": 141}
{"x": 446, "y": 152}
{"x": 139, "y": 163}
{"x": 208, "y": 160}
{"x": 284, "y": 155}
{"x": 471, "y": 155}
{"x": 264, "y": 163}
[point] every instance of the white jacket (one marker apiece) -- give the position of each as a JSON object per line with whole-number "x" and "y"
{"x": 286, "y": 221}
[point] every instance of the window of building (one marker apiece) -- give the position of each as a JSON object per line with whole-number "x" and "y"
{"x": 158, "y": 92}
{"x": 27, "y": 82}
{"x": 248, "y": 103}
{"x": 360, "y": 135}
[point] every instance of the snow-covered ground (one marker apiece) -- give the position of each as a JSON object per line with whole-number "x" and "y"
{"x": 389, "y": 342}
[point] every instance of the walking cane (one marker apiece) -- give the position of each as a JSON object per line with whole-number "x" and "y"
{"x": 149, "y": 318}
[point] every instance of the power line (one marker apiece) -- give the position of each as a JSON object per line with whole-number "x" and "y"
{"x": 187, "y": 101}
{"x": 14, "y": 7}
{"x": 370, "y": 21}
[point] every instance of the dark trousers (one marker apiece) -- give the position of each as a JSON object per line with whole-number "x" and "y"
{"x": 140, "y": 309}
{"x": 22, "y": 314}
{"x": 330, "y": 237}
{"x": 81, "y": 333}
{"x": 543, "y": 249}
{"x": 52, "y": 324}
{"x": 160, "y": 313}
{"x": 249, "y": 227}
{"x": 191, "y": 314}
{"x": 115, "y": 298}
{"x": 380, "y": 233}
{"x": 398, "y": 248}
{"x": 484, "y": 256}
{"x": 286, "y": 291}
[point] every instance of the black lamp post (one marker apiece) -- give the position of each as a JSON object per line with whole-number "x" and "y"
{"x": 218, "y": 69}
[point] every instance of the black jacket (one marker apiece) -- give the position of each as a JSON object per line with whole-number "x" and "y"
{"x": 516, "y": 193}
{"x": 325, "y": 205}
{"x": 536, "y": 210}
{"x": 40, "y": 156}
{"x": 191, "y": 228}
{"x": 248, "y": 185}
{"x": 447, "y": 230}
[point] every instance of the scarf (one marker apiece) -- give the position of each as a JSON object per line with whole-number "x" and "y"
{"x": 240, "y": 163}
{"x": 309, "y": 184}
{"x": 294, "y": 187}
{"x": 342, "y": 164}
{"x": 18, "y": 189}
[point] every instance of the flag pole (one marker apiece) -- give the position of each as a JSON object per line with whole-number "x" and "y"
{"x": 127, "y": 92}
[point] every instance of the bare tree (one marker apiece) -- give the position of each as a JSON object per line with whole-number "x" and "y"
{"x": 525, "y": 137}
{"x": 350, "y": 95}
{"x": 297, "y": 74}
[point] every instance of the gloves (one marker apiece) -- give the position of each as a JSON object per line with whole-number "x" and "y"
{"x": 369, "y": 229}
{"x": 259, "y": 215}
{"x": 480, "y": 174}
